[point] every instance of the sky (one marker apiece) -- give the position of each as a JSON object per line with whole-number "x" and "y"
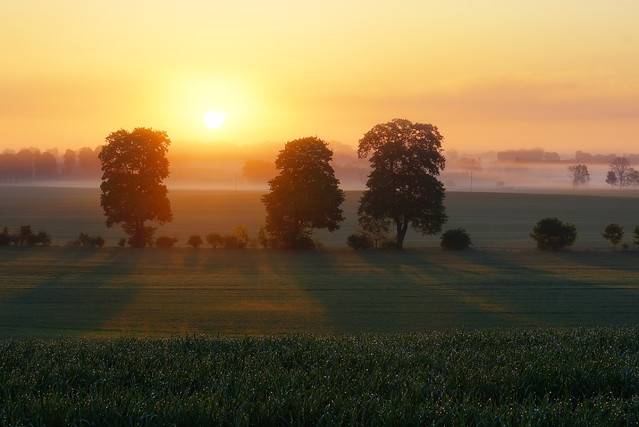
{"x": 491, "y": 75}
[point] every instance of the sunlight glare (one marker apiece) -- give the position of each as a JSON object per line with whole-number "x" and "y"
{"x": 214, "y": 119}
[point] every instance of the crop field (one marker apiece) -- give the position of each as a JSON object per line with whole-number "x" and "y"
{"x": 498, "y": 377}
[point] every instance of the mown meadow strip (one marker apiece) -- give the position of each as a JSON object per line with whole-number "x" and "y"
{"x": 507, "y": 377}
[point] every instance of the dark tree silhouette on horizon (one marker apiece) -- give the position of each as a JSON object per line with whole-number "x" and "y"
{"x": 402, "y": 187}
{"x": 134, "y": 164}
{"x": 304, "y": 195}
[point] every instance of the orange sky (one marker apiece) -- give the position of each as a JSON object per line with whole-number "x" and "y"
{"x": 491, "y": 75}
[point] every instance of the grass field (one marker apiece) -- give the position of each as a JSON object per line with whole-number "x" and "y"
{"x": 494, "y": 220}
{"x": 499, "y": 335}
{"x": 538, "y": 377}
{"x": 51, "y": 292}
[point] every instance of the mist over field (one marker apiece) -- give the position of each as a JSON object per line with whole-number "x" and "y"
{"x": 250, "y": 167}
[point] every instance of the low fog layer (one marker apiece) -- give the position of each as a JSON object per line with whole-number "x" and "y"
{"x": 231, "y": 167}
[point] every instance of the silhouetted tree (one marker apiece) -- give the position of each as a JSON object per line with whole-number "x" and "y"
{"x": 613, "y": 233}
{"x": 304, "y": 195}
{"x": 45, "y": 165}
{"x": 5, "y": 237}
{"x": 552, "y": 234}
{"x": 402, "y": 187}
{"x": 215, "y": 240}
{"x": 89, "y": 160}
{"x": 195, "y": 241}
{"x": 578, "y": 174}
{"x": 24, "y": 235}
{"x": 69, "y": 161}
{"x": 611, "y": 179}
{"x": 624, "y": 174}
{"x": 42, "y": 238}
{"x": 133, "y": 167}
{"x": 240, "y": 236}
{"x": 165, "y": 242}
{"x": 86, "y": 241}
{"x": 24, "y": 164}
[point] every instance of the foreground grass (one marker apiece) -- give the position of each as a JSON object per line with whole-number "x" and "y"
{"x": 539, "y": 377}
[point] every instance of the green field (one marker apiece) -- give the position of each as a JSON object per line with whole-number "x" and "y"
{"x": 500, "y": 335}
{"x": 539, "y": 377}
{"x": 494, "y": 220}
{"x": 52, "y": 292}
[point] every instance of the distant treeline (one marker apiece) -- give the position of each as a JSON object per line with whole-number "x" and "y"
{"x": 537, "y": 155}
{"x": 30, "y": 163}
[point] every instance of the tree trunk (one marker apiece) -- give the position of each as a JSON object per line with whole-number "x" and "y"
{"x": 402, "y": 227}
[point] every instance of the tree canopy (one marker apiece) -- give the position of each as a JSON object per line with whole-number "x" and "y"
{"x": 305, "y": 194}
{"x": 134, "y": 164}
{"x": 402, "y": 188}
{"x": 578, "y": 174}
{"x": 621, "y": 173}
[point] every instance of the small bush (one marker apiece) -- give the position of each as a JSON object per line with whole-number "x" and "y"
{"x": 165, "y": 242}
{"x": 613, "y": 233}
{"x": 552, "y": 234}
{"x": 122, "y": 242}
{"x": 195, "y": 241}
{"x": 455, "y": 239}
{"x": 360, "y": 241}
{"x": 635, "y": 235}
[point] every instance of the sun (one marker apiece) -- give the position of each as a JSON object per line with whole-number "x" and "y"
{"x": 214, "y": 119}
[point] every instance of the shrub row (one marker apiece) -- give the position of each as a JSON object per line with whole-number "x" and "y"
{"x": 549, "y": 234}
{"x": 24, "y": 237}
{"x": 238, "y": 238}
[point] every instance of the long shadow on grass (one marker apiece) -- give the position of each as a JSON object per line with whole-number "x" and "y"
{"x": 389, "y": 291}
{"x": 437, "y": 291}
{"x": 71, "y": 293}
{"x": 412, "y": 290}
{"x": 553, "y": 289}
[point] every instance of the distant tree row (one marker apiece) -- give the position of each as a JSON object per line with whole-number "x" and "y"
{"x": 621, "y": 174}
{"x": 238, "y": 238}
{"x": 30, "y": 164}
{"x": 25, "y": 236}
{"x": 538, "y": 155}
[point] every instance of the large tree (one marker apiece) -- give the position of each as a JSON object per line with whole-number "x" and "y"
{"x": 304, "y": 195}
{"x": 134, "y": 164}
{"x": 402, "y": 188}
